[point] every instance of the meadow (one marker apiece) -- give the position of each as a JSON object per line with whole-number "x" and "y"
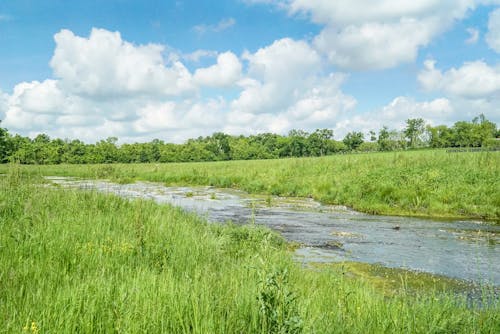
{"x": 428, "y": 183}
{"x": 84, "y": 262}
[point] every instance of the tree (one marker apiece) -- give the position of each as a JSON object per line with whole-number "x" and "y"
{"x": 318, "y": 142}
{"x": 218, "y": 144}
{"x": 353, "y": 140}
{"x": 484, "y": 130}
{"x": 462, "y": 134}
{"x": 414, "y": 131}
{"x": 439, "y": 136}
{"x": 297, "y": 143}
{"x": 390, "y": 140}
{"x": 106, "y": 150}
{"x": 4, "y": 150}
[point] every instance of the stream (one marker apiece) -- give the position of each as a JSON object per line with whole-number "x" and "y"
{"x": 462, "y": 249}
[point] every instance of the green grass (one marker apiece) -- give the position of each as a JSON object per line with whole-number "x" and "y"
{"x": 83, "y": 262}
{"x": 429, "y": 183}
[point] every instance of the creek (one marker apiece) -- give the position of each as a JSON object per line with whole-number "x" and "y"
{"x": 462, "y": 249}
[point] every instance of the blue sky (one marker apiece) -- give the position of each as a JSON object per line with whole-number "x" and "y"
{"x": 173, "y": 70}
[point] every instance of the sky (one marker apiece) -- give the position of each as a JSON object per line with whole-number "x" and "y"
{"x": 173, "y": 70}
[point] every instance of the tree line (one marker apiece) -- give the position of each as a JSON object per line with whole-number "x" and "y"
{"x": 479, "y": 132}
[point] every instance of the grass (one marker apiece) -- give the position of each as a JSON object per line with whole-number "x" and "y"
{"x": 430, "y": 183}
{"x": 83, "y": 262}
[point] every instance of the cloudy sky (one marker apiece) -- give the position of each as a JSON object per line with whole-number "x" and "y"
{"x": 173, "y": 70}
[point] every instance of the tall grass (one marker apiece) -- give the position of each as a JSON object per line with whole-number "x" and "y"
{"x": 418, "y": 183}
{"x": 84, "y": 262}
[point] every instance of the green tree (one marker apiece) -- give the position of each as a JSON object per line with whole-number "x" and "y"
{"x": 106, "y": 150}
{"x": 4, "y": 142}
{"x": 318, "y": 142}
{"x": 297, "y": 143}
{"x": 414, "y": 131}
{"x": 353, "y": 140}
{"x": 390, "y": 140}
{"x": 218, "y": 144}
{"x": 484, "y": 130}
{"x": 373, "y": 136}
{"x": 439, "y": 136}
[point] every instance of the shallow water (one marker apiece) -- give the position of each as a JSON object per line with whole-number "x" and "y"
{"x": 467, "y": 250}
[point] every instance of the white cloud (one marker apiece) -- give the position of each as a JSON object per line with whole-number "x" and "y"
{"x": 276, "y": 74}
{"x": 472, "y": 89}
{"x": 3, "y": 105}
{"x": 355, "y": 12}
{"x": 375, "y": 45}
{"x": 493, "y": 35}
{"x": 367, "y": 34}
{"x": 104, "y": 86}
{"x": 472, "y": 80}
{"x": 223, "y": 74}
{"x": 388, "y": 34}
{"x": 104, "y": 65}
{"x": 473, "y": 36}
{"x": 222, "y": 25}
{"x": 42, "y": 98}
{"x": 286, "y": 88}
{"x": 394, "y": 115}
{"x": 198, "y": 54}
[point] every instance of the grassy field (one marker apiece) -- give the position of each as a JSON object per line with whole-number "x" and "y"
{"x": 84, "y": 262}
{"x": 418, "y": 183}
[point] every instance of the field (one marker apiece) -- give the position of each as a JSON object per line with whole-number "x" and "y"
{"x": 83, "y": 262}
{"x": 430, "y": 183}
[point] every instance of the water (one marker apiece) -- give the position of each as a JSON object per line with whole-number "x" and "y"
{"x": 467, "y": 250}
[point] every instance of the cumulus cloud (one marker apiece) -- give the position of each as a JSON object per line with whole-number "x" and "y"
{"x": 275, "y": 74}
{"x": 286, "y": 88}
{"x": 3, "y": 108}
{"x": 104, "y": 65}
{"x": 375, "y": 45}
{"x": 472, "y": 80}
{"x": 40, "y": 97}
{"x": 223, "y": 74}
{"x": 493, "y": 35}
{"x": 105, "y": 86}
{"x": 348, "y": 12}
{"x": 366, "y": 34}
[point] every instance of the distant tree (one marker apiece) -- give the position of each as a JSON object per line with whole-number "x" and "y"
{"x": 106, "y": 150}
{"x": 368, "y": 147}
{"x": 219, "y": 145}
{"x": 76, "y": 152}
{"x": 297, "y": 143}
{"x": 390, "y": 140}
{"x": 383, "y": 139}
{"x": 484, "y": 130}
{"x": 318, "y": 142}
{"x": 373, "y": 135}
{"x": 462, "y": 134}
{"x": 353, "y": 140}
{"x": 439, "y": 136}
{"x": 4, "y": 142}
{"x": 415, "y": 129}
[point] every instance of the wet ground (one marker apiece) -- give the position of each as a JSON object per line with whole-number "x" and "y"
{"x": 468, "y": 250}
